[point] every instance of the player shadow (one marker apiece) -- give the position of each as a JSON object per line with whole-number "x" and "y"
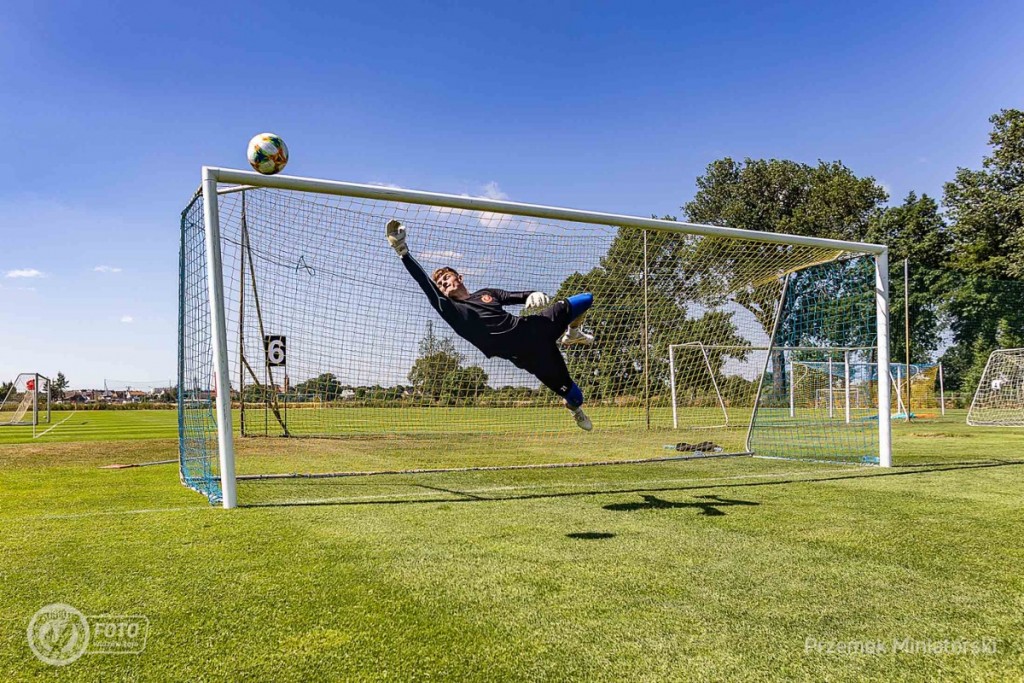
{"x": 708, "y": 508}
{"x": 451, "y": 494}
{"x": 590, "y": 535}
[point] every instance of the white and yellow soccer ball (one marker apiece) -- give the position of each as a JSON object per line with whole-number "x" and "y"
{"x": 267, "y": 153}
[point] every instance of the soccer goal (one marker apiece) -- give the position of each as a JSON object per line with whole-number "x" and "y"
{"x": 26, "y": 401}
{"x": 727, "y": 379}
{"x": 297, "y": 320}
{"x": 727, "y": 390}
{"x": 999, "y": 398}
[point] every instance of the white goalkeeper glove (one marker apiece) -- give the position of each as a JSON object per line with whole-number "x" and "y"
{"x": 537, "y": 300}
{"x": 396, "y": 237}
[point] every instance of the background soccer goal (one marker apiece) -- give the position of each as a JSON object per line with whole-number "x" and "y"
{"x": 999, "y": 398}
{"x": 26, "y": 401}
{"x": 716, "y": 386}
{"x": 295, "y": 310}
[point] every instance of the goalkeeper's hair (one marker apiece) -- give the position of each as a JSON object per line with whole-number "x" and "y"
{"x": 441, "y": 271}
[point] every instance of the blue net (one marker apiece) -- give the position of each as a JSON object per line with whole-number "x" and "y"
{"x": 197, "y": 423}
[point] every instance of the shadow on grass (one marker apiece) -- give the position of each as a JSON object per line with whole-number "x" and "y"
{"x": 708, "y": 508}
{"x": 506, "y": 493}
{"x": 590, "y": 535}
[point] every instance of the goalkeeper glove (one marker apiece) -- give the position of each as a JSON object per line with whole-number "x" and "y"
{"x": 396, "y": 237}
{"x": 537, "y": 300}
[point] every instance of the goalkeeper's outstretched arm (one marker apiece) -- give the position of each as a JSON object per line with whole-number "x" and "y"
{"x": 396, "y": 235}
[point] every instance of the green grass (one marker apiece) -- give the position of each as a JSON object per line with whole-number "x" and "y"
{"x": 97, "y": 425}
{"x": 709, "y": 570}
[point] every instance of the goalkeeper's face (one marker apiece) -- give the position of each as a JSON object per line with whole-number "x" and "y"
{"x": 450, "y": 284}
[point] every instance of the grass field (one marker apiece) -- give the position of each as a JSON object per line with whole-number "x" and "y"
{"x": 708, "y": 570}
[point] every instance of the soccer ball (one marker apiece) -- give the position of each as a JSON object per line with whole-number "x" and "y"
{"x": 267, "y": 153}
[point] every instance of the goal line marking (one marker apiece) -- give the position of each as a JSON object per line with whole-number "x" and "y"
{"x": 590, "y": 485}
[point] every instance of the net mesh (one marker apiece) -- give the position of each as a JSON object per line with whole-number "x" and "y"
{"x": 717, "y": 387}
{"x": 328, "y": 335}
{"x": 999, "y": 399}
{"x": 25, "y": 401}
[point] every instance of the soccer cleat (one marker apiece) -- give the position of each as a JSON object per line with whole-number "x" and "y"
{"x": 582, "y": 421}
{"x": 574, "y": 336}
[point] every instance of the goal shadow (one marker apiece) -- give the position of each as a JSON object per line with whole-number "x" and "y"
{"x": 317, "y": 493}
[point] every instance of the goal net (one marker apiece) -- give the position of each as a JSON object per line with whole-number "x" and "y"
{"x": 999, "y": 398}
{"x": 918, "y": 386}
{"x": 718, "y": 386}
{"x": 26, "y": 400}
{"x": 297, "y": 314}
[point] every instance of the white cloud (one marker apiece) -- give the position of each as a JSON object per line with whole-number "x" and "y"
{"x": 127, "y": 319}
{"x": 25, "y": 272}
{"x": 441, "y": 255}
{"x": 107, "y": 269}
{"x": 492, "y": 191}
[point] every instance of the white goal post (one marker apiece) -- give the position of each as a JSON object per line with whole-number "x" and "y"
{"x": 999, "y": 399}
{"x": 275, "y": 319}
{"x": 27, "y": 401}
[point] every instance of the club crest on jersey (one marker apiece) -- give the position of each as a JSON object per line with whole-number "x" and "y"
{"x": 487, "y": 298}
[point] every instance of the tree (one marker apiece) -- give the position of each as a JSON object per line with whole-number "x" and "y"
{"x": 915, "y": 230}
{"x": 59, "y": 386}
{"x": 438, "y": 372}
{"x": 983, "y": 315}
{"x": 325, "y": 387}
{"x": 776, "y": 195}
{"x": 986, "y": 207}
{"x": 466, "y": 384}
{"x": 986, "y": 213}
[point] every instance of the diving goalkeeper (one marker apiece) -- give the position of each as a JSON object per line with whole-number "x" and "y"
{"x": 530, "y": 342}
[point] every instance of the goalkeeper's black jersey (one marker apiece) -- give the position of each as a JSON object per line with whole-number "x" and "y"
{"x": 479, "y": 319}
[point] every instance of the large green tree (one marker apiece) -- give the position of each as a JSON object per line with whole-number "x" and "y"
{"x": 915, "y": 230}
{"x": 777, "y": 195}
{"x": 324, "y": 387}
{"x": 781, "y": 196}
{"x": 986, "y": 206}
{"x": 986, "y": 212}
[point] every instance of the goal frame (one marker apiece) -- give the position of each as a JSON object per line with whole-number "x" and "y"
{"x": 974, "y": 422}
{"x": 213, "y": 177}
{"x": 34, "y": 409}
{"x": 704, "y": 348}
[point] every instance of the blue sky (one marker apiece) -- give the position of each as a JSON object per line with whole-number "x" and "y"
{"x": 110, "y": 109}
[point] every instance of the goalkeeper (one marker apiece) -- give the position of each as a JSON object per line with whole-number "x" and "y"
{"x": 530, "y": 342}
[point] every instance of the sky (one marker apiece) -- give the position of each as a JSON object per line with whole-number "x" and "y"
{"x": 111, "y": 109}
